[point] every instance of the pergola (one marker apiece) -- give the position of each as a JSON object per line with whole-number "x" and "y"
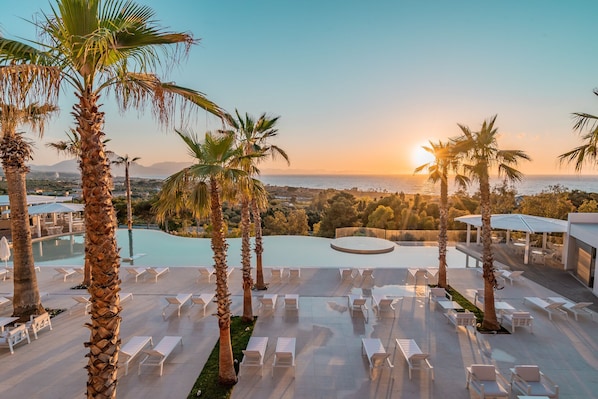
{"x": 517, "y": 222}
{"x": 53, "y": 208}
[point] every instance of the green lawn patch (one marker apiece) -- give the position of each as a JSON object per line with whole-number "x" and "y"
{"x": 207, "y": 382}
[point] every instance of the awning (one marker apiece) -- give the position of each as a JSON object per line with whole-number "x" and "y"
{"x": 518, "y": 222}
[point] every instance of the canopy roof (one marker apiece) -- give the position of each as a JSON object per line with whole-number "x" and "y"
{"x": 518, "y": 222}
{"x": 36, "y": 199}
{"x": 57, "y": 207}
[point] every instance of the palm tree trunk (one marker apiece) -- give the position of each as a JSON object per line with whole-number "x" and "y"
{"x": 246, "y": 260}
{"x": 226, "y": 367}
{"x": 442, "y": 236}
{"x": 490, "y": 320}
{"x": 100, "y": 251}
{"x": 128, "y": 189}
{"x": 259, "y": 247}
{"x": 26, "y": 299}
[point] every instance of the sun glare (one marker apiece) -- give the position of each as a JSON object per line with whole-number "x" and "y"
{"x": 419, "y": 156}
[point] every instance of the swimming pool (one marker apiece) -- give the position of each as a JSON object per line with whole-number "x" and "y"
{"x": 156, "y": 248}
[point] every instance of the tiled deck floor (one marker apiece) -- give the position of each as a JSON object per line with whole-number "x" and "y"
{"x": 329, "y": 363}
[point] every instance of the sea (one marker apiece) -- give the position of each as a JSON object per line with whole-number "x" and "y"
{"x": 412, "y": 184}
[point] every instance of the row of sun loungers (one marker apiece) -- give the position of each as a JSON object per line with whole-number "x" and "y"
{"x": 284, "y": 355}
{"x": 526, "y": 380}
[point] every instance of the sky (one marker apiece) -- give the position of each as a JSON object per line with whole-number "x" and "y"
{"x": 361, "y": 86}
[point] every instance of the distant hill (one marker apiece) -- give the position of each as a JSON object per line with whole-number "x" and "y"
{"x": 159, "y": 170}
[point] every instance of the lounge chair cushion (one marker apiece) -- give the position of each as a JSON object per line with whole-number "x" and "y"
{"x": 491, "y": 389}
{"x": 484, "y": 372}
{"x": 528, "y": 373}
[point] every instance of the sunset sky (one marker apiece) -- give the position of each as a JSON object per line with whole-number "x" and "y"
{"x": 360, "y": 86}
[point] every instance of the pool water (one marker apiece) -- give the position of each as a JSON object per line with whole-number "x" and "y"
{"x": 156, "y": 248}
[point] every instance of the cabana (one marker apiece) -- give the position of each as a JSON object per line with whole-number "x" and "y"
{"x": 53, "y": 208}
{"x": 516, "y": 222}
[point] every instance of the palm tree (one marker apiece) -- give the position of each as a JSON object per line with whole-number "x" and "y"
{"x": 98, "y": 47}
{"x": 127, "y": 162}
{"x": 254, "y": 136}
{"x": 211, "y": 180}
{"x": 15, "y": 152}
{"x": 481, "y": 151}
{"x": 587, "y": 152}
{"x": 445, "y": 160}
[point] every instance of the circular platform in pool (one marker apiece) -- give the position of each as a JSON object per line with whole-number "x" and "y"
{"x": 362, "y": 245}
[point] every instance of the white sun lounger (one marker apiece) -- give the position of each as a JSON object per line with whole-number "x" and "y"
{"x": 416, "y": 359}
{"x": 132, "y": 348}
{"x": 294, "y": 273}
{"x": 549, "y": 307}
{"x": 285, "y": 353}
{"x": 277, "y": 273}
{"x": 519, "y": 319}
{"x": 136, "y": 271}
{"x": 10, "y": 338}
{"x": 206, "y": 272}
{"x": 268, "y": 301}
{"x": 65, "y": 272}
{"x": 178, "y": 301}
{"x": 291, "y": 301}
{"x": 157, "y": 271}
{"x": 376, "y": 354}
{"x": 203, "y": 300}
{"x": 357, "y": 302}
{"x": 4, "y": 273}
{"x": 82, "y": 300}
{"x": 511, "y": 276}
{"x": 125, "y": 296}
{"x": 37, "y": 323}
{"x": 346, "y": 274}
{"x": 253, "y": 354}
{"x": 579, "y": 308}
{"x": 158, "y": 355}
{"x": 382, "y": 303}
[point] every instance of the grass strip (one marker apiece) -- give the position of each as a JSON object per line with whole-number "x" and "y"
{"x": 207, "y": 382}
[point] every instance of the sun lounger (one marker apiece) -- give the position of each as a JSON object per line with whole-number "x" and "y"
{"x": 203, "y": 300}
{"x": 82, "y": 300}
{"x": 376, "y": 354}
{"x": 357, "y": 302}
{"x": 346, "y": 274}
{"x": 530, "y": 381}
{"x": 132, "y": 348}
{"x": 294, "y": 274}
{"x": 158, "y": 355}
{"x": 277, "y": 273}
{"x": 511, "y": 276}
{"x": 291, "y": 301}
{"x": 579, "y": 308}
{"x": 439, "y": 294}
{"x": 268, "y": 301}
{"x": 487, "y": 381}
{"x": 382, "y": 304}
{"x": 10, "y": 338}
{"x": 157, "y": 271}
{"x": 178, "y": 301}
{"x": 65, "y": 272}
{"x": 549, "y": 307}
{"x": 136, "y": 271}
{"x": 253, "y": 354}
{"x": 461, "y": 319}
{"x": 37, "y": 323}
{"x": 124, "y": 296}
{"x": 4, "y": 273}
{"x": 285, "y": 353}
{"x": 415, "y": 358}
{"x": 4, "y": 302}
{"x": 206, "y": 272}
{"x": 519, "y": 319}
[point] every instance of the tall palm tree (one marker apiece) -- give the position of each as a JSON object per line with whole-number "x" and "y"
{"x": 445, "y": 161}
{"x": 587, "y": 152}
{"x": 72, "y": 147}
{"x": 211, "y": 178}
{"x": 126, "y": 161}
{"x": 254, "y": 136}
{"x": 15, "y": 151}
{"x": 105, "y": 46}
{"x": 482, "y": 154}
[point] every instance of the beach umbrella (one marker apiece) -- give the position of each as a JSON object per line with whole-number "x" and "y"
{"x": 4, "y": 250}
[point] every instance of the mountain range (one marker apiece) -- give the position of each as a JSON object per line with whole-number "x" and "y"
{"x": 158, "y": 170}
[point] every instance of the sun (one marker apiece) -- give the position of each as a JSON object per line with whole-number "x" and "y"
{"x": 419, "y": 156}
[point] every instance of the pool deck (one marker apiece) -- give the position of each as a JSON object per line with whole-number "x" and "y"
{"x": 329, "y": 363}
